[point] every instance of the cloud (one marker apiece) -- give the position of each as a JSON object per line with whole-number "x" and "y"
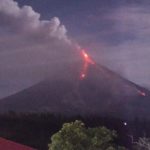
{"x": 125, "y": 46}
{"x": 121, "y": 41}
{"x": 26, "y": 21}
{"x": 31, "y": 48}
{"x": 133, "y": 20}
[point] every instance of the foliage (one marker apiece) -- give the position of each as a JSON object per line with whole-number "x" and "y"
{"x": 143, "y": 144}
{"x": 75, "y": 136}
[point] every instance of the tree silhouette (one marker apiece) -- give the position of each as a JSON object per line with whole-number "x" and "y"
{"x": 75, "y": 136}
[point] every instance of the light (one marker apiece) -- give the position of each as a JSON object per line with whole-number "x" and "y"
{"x": 141, "y": 93}
{"x": 82, "y": 75}
{"x": 87, "y": 57}
{"x": 86, "y": 62}
{"x": 125, "y": 124}
{"x": 85, "y": 54}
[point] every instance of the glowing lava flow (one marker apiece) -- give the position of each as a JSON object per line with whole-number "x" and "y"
{"x": 87, "y": 58}
{"x": 141, "y": 93}
{"x": 87, "y": 61}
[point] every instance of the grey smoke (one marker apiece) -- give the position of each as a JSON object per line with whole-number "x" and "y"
{"x": 30, "y": 48}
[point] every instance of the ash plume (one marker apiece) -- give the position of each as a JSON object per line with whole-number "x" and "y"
{"x": 31, "y": 48}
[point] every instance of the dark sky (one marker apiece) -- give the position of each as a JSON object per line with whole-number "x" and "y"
{"x": 39, "y": 35}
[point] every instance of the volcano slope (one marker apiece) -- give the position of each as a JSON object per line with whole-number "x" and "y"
{"x": 100, "y": 92}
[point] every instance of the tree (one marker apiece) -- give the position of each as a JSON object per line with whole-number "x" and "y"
{"x": 75, "y": 136}
{"x": 142, "y": 144}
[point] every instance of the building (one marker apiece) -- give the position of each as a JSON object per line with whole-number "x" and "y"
{"x": 10, "y": 145}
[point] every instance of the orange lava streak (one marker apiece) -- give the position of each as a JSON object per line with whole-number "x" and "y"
{"x": 87, "y": 58}
{"x": 84, "y": 70}
{"x": 141, "y": 93}
{"x": 87, "y": 61}
{"x": 85, "y": 55}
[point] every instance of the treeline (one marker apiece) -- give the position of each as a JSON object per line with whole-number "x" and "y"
{"x": 35, "y": 129}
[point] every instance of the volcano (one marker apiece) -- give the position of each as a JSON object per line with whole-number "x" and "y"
{"x": 98, "y": 91}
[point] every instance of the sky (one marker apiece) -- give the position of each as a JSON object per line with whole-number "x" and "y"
{"x": 38, "y": 37}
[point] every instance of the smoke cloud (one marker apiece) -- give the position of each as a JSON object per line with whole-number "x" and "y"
{"x": 26, "y": 21}
{"x": 30, "y": 48}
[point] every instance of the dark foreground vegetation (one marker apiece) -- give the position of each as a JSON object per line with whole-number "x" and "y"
{"x": 35, "y": 130}
{"x": 76, "y": 136}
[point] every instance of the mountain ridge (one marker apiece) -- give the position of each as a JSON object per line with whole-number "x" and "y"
{"x": 100, "y": 92}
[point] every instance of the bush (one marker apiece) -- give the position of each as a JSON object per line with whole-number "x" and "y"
{"x": 75, "y": 136}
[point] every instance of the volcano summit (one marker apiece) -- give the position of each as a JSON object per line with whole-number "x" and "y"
{"x": 96, "y": 91}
